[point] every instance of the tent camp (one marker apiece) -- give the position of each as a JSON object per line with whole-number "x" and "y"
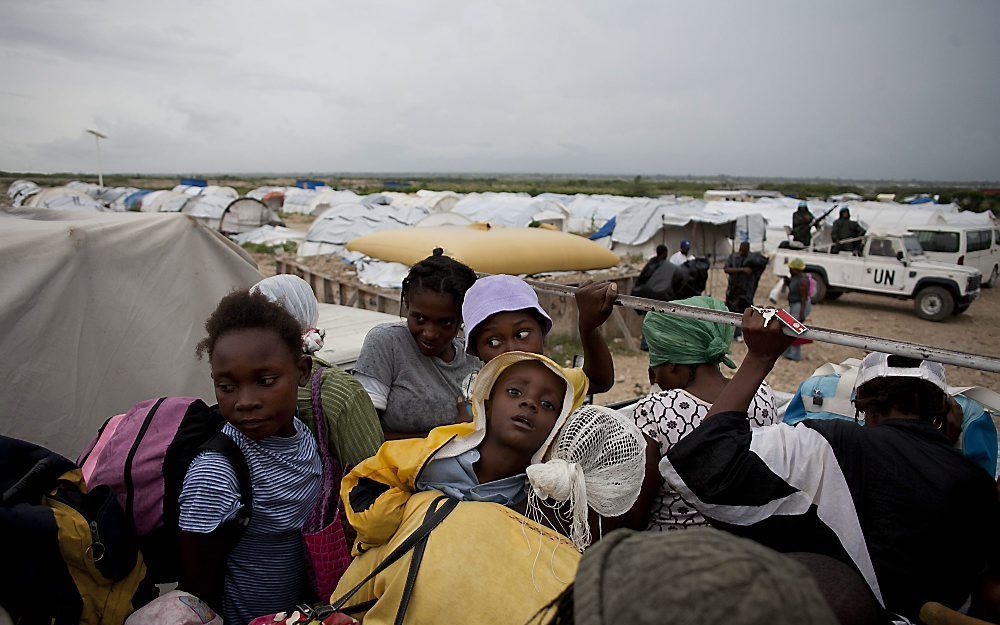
{"x": 245, "y": 214}
{"x": 346, "y": 222}
{"x": 511, "y": 209}
{"x": 327, "y": 198}
{"x": 103, "y": 310}
{"x": 206, "y": 190}
{"x": 64, "y": 199}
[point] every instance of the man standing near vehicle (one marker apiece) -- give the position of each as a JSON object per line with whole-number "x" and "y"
{"x": 684, "y": 255}
{"x": 739, "y": 294}
{"x": 843, "y": 229}
{"x": 802, "y": 221}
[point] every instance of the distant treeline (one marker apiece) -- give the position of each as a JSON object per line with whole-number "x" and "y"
{"x": 976, "y": 198}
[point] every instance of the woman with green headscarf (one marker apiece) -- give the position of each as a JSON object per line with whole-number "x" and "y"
{"x": 685, "y": 358}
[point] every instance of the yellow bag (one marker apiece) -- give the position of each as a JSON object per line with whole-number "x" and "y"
{"x": 484, "y": 564}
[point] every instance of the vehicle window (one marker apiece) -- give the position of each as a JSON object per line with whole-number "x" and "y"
{"x": 938, "y": 241}
{"x": 979, "y": 240}
{"x": 881, "y": 247}
{"x": 996, "y": 237}
{"x": 913, "y": 247}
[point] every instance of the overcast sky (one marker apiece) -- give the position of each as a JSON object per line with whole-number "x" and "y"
{"x": 845, "y": 88}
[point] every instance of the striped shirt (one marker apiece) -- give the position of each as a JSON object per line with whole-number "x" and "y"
{"x": 352, "y": 425}
{"x": 264, "y": 571}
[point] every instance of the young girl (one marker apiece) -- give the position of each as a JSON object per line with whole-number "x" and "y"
{"x": 502, "y": 314}
{"x": 413, "y": 371}
{"x": 255, "y": 350}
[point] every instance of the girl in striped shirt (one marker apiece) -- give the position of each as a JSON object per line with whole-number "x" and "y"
{"x": 255, "y": 350}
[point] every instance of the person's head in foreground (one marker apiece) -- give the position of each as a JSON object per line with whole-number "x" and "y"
{"x": 896, "y": 387}
{"x": 685, "y": 247}
{"x": 433, "y": 293}
{"x": 803, "y": 206}
{"x": 796, "y": 266}
{"x": 700, "y": 575}
{"x": 681, "y": 349}
{"x": 661, "y": 251}
{"x": 297, "y": 297}
{"x": 254, "y": 348}
{"x": 845, "y": 213}
{"x": 502, "y": 314}
{"x": 744, "y": 248}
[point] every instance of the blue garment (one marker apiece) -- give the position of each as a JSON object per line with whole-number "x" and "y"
{"x": 456, "y": 478}
{"x": 264, "y": 571}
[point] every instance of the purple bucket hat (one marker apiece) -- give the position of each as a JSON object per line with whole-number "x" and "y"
{"x": 496, "y": 294}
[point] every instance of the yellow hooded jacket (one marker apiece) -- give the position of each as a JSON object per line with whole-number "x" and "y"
{"x": 375, "y": 492}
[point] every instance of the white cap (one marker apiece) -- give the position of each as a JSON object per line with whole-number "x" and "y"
{"x": 876, "y": 365}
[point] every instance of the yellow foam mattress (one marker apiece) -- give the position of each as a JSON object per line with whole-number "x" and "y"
{"x": 489, "y": 250}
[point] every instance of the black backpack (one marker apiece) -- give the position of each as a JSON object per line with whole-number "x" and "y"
{"x": 71, "y": 554}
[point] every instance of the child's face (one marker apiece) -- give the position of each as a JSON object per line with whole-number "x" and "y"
{"x": 256, "y": 381}
{"x": 524, "y": 405}
{"x": 504, "y": 332}
{"x": 433, "y": 320}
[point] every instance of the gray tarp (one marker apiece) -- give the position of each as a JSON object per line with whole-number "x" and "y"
{"x": 100, "y": 311}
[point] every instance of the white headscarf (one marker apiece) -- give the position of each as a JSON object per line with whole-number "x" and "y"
{"x": 296, "y": 296}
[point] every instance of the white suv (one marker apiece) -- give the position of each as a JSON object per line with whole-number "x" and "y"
{"x": 972, "y": 246}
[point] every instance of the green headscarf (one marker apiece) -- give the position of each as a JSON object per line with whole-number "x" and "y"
{"x": 684, "y": 341}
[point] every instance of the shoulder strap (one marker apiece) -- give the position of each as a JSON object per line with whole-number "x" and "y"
{"x": 432, "y": 519}
{"x": 228, "y": 448}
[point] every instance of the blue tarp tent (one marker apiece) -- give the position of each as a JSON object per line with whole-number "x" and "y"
{"x": 132, "y": 201}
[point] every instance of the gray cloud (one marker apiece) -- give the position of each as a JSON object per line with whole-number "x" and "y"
{"x": 899, "y": 88}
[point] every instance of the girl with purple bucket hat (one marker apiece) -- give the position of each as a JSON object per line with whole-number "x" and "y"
{"x": 501, "y": 314}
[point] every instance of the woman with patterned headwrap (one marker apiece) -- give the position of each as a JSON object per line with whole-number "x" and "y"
{"x": 684, "y": 362}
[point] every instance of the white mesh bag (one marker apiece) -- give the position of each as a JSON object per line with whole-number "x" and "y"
{"x": 597, "y": 461}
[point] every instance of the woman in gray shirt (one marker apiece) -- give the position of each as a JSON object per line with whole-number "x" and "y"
{"x": 414, "y": 370}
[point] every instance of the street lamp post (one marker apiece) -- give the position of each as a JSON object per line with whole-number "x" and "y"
{"x": 97, "y": 141}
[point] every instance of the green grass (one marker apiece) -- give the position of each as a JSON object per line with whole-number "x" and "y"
{"x": 262, "y": 248}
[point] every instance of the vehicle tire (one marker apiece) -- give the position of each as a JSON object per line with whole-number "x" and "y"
{"x": 934, "y": 303}
{"x": 992, "y": 282}
{"x": 820, "y": 287}
{"x": 832, "y": 295}
{"x": 959, "y": 309}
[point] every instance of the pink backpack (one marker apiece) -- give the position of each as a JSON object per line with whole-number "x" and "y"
{"x": 143, "y": 456}
{"x": 812, "y": 286}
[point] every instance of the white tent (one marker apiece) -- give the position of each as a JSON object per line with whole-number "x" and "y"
{"x": 346, "y": 222}
{"x": 326, "y": 198}
{"x": 64, "y": 199}
{"x": 511, "y": 209}
{"x": 587, "y": 213}
{"x": 165, "y": 202}
{"x": 206, "y": 190}
{"x": 270, "y": 235}
{"x": 245, "y": 214}
{"x": 101, "y": 311}
{"x": 640, "y": 228}
{"x": 208, "y": 209}
{"x": 298, "y": 200}
{"x": 20, "y": 190}
{"x": 434, "y": 201}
